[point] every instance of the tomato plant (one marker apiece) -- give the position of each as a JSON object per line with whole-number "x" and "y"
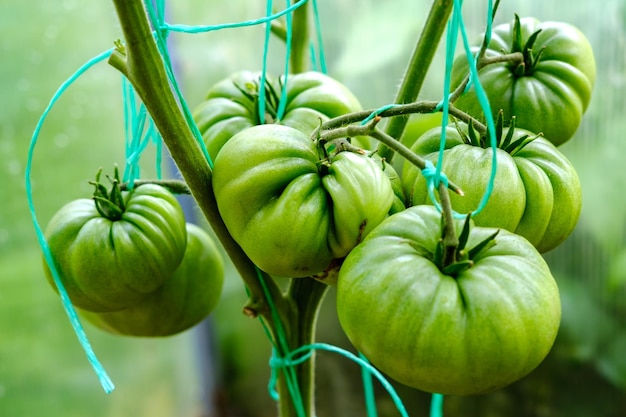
{"x": 186, "y": 298}
{"x": 468, "y": 327}
{"x": 536, "y": 190}
{"x": 232, "y": 105}
{"x": 113, "y": 250}
{"x": 292, "y": 211}
{"x": 548, "y": 91}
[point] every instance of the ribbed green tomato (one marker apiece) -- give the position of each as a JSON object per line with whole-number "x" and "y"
{"x": 231, "y": 105}
{"x": 453, "y": 331}
{"x": 108, "y": 265}
{"x": 291, "y": 211}
{"x": 549, "y": 91}
{"x": 536, "y": 192}
{"x": 186, "y": 298}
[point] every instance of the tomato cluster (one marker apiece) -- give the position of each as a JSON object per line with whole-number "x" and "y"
{"x": 448, "y": 306}
{"x": 131, "y": 263}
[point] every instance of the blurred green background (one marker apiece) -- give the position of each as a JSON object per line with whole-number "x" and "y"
{"x": 43, "y": 370}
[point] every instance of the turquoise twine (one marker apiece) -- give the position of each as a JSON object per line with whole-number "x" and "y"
{"x": 105, "y": 381}
{"x": 378, "y": 111}
{"x": 320, "y": 44}
{"x": 455, "y": 25}
{"x": 289, "y": 360}
{"x": 210, "y": 28}
{"x": 280, "y": 112}
{"x": 436, "y": 405}
{"x": 368, "y": 389}
{"x": 263, "y": 81}
{"x": 137, "y": 136}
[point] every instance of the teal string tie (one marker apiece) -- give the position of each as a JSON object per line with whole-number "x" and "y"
{"x": 102, "y": 375}
{"x": 456, "y": 25}
{"x": 436, "y": 405}
{"x": 210, "y": 28}
{"x": 282, "y": 105}
{"x": 320, "y": 44}
{"x": 140, "y": 131}
{"x": 364, "y": 363}
{"x": 368, "y": 389}
{"x": 377, "y": 112}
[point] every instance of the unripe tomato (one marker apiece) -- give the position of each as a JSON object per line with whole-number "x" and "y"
{"x": 186, "y": 298}
{"x": 465, "y": 328}
{"x": 110, "y": 264}
{"x": 292, "y": 211}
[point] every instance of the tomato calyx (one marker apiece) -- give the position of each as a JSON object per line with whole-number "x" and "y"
{"x": 110, "y": 204}
{"x": 503, "y": 141}
{"x": 531, "y": 59}
{"x": 461, "y": 257}
{"x": 251, "y": 90}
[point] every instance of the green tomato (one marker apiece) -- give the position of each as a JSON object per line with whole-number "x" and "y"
{"x": 549, "y": 91}
{"x": 185, "y": 299}
{"x": 291, "y": 211}
{"x": 465, "y": 331}
{"x": 536, "y": 192}
{"x": 108, "y": 265}
{"x": 231, "y": 105}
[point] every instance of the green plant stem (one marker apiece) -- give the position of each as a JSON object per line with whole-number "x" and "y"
{"x": 300, "y": 37}
{"x": 370, "y": 129}
{"x": 417, "y": 69}
{"x": 307, "y": 295}
{"x": 450, "y": 239}
{"x": 399, "y": 110}
{"x": 142, "y": 64}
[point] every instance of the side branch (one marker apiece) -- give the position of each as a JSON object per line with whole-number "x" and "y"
{"x": 371, "y": 129}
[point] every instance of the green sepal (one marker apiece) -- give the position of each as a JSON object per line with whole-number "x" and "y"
{"x": 110, "y": 204}
{"x": 487, "y": 243}
{"x": 530, "y": 59}
{"x": 456, "y": 268}
{"x": 464, "y": 236}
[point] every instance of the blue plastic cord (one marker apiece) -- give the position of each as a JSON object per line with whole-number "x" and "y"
{"x": 137, "y": 135}
{"x": 263, "y": 81}
{"x": 280, "y": 112}
{"x": 456, "y": 25}
{"x": 368, "y": 389}
{"x": 105, "y": 381}
{"x": 436, "y": 405}
{"x": 210, "y": 28}
{"x": 364, "y": 363}
{"x": 320, "y": 44}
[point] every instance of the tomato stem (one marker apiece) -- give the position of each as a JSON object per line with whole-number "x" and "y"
{"x": 449, "y": 239}
{"x": 371, "y": 130}
{"x": 300, "y": 37}
{"x": 394, "y": 111}
{"x": 418, "y": 66}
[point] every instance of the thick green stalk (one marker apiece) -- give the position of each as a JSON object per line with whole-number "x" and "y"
{"x": 307, "y": 295}
{"x": 417, "y": 69}
{"x": 141, "y": 62}
{"x": 300, "y": 37}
